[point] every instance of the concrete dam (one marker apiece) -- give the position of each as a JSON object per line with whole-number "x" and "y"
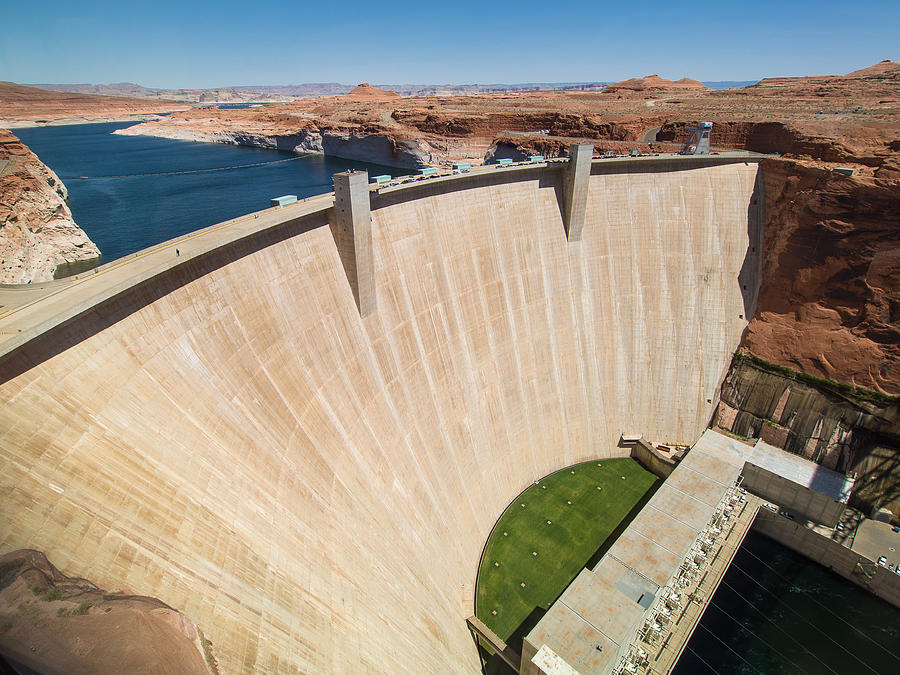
{"x": 222, "y": 428}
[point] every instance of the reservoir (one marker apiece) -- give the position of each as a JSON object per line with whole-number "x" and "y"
{"x": 137, "y": 192}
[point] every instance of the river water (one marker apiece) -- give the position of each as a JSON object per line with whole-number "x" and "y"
{"x": 779, "y": 612}
{"x": 126, "y": 214}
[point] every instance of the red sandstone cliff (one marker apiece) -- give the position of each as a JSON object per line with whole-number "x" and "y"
{"x": 37, "y": 232}
{"x": 830, "y": 299}
{"x": 52, "y": 623}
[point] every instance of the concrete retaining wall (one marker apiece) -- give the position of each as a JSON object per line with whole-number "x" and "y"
{"x": 852, "y": 566}
{"x": 797, "y": 499}
{"x": 652, "y": 460}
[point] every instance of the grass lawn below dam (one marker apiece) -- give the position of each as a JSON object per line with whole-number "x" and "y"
{"x": 547, "y": 535}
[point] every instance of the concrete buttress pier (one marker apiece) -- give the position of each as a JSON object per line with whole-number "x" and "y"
{"x": 576, "y": 188}
{"x": 352, "y": 231}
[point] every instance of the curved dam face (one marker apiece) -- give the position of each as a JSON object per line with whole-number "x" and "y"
{"x": 314, "y": 488}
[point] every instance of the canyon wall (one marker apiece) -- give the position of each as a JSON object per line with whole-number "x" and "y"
{"x": 314, "y": 488}
{"x": 829, "y": 307}
{"x": 830, "y": 298}
{"x": 833, "y": 425}
{"x": 37, "y": 232}
{"x": 53, "y": 623}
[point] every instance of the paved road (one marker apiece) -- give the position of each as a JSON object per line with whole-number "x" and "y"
{"x": 28, "y": 310}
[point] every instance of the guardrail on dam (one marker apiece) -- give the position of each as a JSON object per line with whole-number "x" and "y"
{"x": 224, "y": 430}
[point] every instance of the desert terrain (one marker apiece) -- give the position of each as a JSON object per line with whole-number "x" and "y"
{"x": 22, "y": 106}
{"x": 851, "y": 118}
{"x": 287, "y": 92}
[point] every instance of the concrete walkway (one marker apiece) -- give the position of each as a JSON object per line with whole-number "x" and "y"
{"x": 665, "y": 651}
{"x": 26, "y": 311}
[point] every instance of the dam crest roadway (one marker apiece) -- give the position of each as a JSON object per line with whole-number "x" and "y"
{"x": 301, "y": 440}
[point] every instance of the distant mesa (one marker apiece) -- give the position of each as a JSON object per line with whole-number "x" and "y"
{"x": 654, "y": 82}
{"x": 880, "y": 69}
{"x": 366, "y": 92}
{"x": 879, "y": 80}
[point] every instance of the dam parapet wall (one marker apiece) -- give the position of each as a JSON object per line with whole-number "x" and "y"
{"x": 213, "y": 422}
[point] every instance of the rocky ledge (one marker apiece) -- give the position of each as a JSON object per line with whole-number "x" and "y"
{"x": 830, "y": 298}
{"x": 37, "y": 232}
{"x": 53, "y": 623}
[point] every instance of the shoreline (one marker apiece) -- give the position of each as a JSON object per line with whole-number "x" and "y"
{"x": 69, "y": 121}
{"x": 16, "y": 123}
{"x": 375, "y": 148}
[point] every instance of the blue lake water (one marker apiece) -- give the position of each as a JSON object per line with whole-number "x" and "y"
{"x": 124, "y": 215}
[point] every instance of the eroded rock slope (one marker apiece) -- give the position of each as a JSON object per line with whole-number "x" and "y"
{"x": 37, "y": 232}
{"x": 52, "y": 623}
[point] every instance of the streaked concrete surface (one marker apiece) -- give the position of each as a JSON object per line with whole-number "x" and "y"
{"x": 222, "y": 430}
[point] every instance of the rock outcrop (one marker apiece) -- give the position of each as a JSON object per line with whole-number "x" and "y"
{"x": 653, "y": 82}
{"x": 879, "y": 80}
{"x": 839, "y": 427}
{"x": 366, "y": 92}
{"x": 52, "y": 623}
{"x": 830, "y": 298}
{"x": 37, "y": 233}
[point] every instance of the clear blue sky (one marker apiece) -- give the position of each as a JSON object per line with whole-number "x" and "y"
{"x": 171, "y": 44}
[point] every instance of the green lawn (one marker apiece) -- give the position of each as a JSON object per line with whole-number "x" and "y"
{"x": 563, "y": 546}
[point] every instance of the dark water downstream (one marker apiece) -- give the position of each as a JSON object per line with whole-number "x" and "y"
{"x": 779, "y": 612}
{"x": 124, "y": 215}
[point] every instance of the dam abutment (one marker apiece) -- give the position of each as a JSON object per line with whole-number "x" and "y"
{"x": 228, "y": 435}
